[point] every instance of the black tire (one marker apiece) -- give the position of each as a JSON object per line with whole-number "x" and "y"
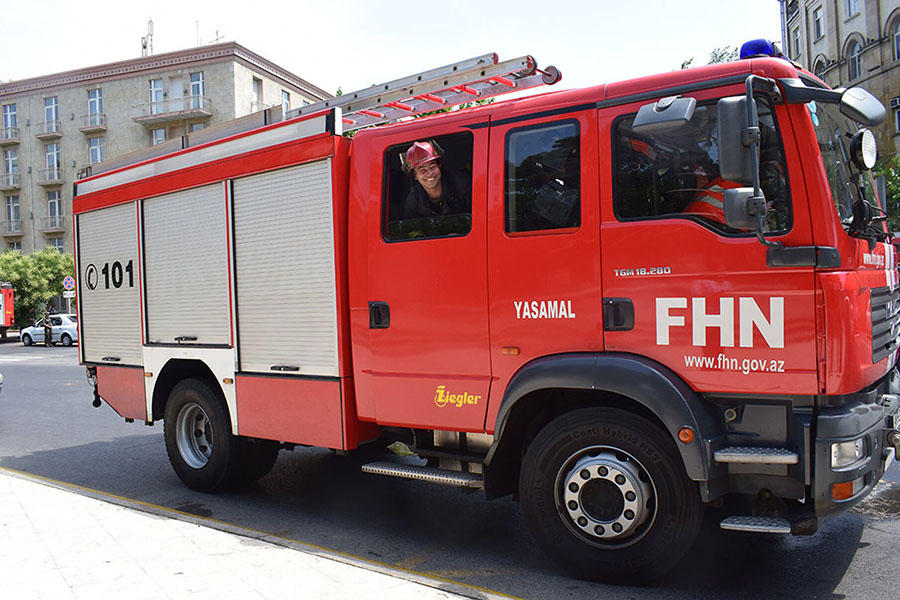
{"x": 199, "y": 442}
{"x": 586, "y": 473}
{"x": 66, "y": 339}
{"x": 256, "y": 459}
{"x": 26, "y": 339}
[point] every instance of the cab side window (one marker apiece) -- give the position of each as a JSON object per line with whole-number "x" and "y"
{"x": 676, "y": 173}
{"x": 543, "y": 177}
{"x": 428, "y": 188}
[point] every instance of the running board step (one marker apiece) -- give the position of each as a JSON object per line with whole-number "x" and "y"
{"x": 441, "y": 476}
{"x": 753, "y": 455}
{"x": 756, "y": 524}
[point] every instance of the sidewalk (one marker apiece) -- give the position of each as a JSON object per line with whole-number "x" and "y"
{"x": 56, "y": 543}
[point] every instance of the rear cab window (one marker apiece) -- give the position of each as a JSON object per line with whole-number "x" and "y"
{"x": 410, "y": 210}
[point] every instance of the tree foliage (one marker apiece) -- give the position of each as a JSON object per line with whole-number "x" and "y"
{"x": 36, "y": 278}
{"x": 718, "y": 55}
{"x": 889, "y": 168}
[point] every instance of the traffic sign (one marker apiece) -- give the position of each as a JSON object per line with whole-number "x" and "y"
{"x": 69, "y": 283}
{"x": 69, "y": 294}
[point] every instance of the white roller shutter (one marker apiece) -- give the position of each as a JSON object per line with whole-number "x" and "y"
{"x": 186, "y": 259}
{"x": 284, "y": 258}
{"x": 109, "y": 292}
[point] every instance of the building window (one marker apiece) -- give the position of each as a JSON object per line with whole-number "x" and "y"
{"x": 895, "y": 39}
{"x": 852, "y": 7}
{"x": 51, "y": 151}
{"x": 95, "y": 107}
{"x": 9, "y": 116}
{"x": 897, "y": 120}
{"x": 13, "y": 217}
{"x": 197, "y": 126}
{"x": 96, "y": 150}
{"x": 795, "y": 36}
{"x": 853, "y": 60}
{"x": 55, "y": 216}
{"x": 10, "y": 162}
{"x": 819, "y": 69}
{"x": 285, "y": 101}
{"x": 257, "y": 95}
{"x": 17, "y": 245}
{"x": 156, "y": 97}
{"x": 197, "y": 90}
{"x": 51, "y": 114}
{"x": 818, "y": 24}
{"x": 56, "y": 243}
{"x": 157, "y": 136}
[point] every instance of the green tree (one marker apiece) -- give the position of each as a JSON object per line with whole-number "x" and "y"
{"x": 718, "y": 55}
{"x": 36, "y": 278}
{"x": 889, "y": 168}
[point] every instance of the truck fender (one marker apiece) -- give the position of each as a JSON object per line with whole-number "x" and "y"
{"x": 644, "y": 381}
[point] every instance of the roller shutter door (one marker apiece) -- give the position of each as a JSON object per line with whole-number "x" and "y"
{"x": 109, "y": 290}
{"x": 284, "y": 259}
{"x": 186, "y": 259}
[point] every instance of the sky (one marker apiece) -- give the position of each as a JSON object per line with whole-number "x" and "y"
{"x": 353, "y": 44}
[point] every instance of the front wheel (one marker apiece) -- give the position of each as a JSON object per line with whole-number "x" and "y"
{"x": 202, "y": 449}
{"x": 605, "y": 494}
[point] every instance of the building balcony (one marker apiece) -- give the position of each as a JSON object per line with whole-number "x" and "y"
{"x": 53, "y": 224}
{"x": 93, "y": 123}
{"x": 153, "y": 114}
{"x": 11, "y": 228}
{"x": 48, "y": 130}
{"x": 9, "y": 135}
{"x": 52, "y": 176}
{"x": 9, "y": 181}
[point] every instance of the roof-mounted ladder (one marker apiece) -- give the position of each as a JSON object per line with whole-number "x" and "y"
{"x": 474, "y": 79}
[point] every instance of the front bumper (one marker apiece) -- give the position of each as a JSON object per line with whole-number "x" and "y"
{"x": 874, "y": 417}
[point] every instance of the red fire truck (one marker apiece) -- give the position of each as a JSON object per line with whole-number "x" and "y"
{"x": 7, "y": 307}
{"x": 661, "y": 293}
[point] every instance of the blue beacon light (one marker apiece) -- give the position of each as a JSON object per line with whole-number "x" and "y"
{"x": 758, "y": 47}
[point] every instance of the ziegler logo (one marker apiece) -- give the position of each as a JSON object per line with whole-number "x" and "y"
{"x": 442, "y": 398}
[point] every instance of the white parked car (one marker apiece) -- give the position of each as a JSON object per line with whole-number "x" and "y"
{"x": 65, "y": 331}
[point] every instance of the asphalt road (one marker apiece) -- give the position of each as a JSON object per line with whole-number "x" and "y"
{"x": 48, "y": 428}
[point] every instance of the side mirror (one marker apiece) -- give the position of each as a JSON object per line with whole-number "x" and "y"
{"x": 669, "y": 113}
{"x": 862, "y": 107}
{"x": 742, "y": 208}
{"x": 736, "y": 150}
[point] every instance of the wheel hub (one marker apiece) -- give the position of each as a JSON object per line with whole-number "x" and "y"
{"x": 194, "y": 436}
{"x": 604, "y": 494}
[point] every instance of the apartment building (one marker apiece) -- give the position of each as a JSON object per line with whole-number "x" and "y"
{"x": 850, "y": 43}
{"x": 53, "y": 126}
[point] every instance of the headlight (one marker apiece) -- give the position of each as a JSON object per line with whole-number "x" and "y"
{"x": 863, "y": 149}
{"x": 847, "y": 453}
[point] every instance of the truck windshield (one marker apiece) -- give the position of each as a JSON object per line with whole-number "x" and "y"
{"x": 833, "y": 132}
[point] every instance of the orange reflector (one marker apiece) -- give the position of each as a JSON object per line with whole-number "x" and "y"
{"x": 148, "y": 374}
{"x": 511, "y": 350}
{"x": 686, "y": 435}
{"x": 847, "y": 489}
{"x": 228, "y": 380}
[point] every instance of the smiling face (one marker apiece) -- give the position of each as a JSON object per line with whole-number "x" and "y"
{"x": 429, "y": 177}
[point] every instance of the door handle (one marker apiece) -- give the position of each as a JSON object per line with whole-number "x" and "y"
{"x": 618, "y": 314}
{"x": 379, "y": 315}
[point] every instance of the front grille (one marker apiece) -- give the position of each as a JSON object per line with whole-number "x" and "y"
{"x": 885, "y": 308}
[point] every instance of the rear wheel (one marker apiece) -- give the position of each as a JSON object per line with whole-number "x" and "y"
{"x": 66, "y": 339}
{"x": 26, "y": 339}
{"x": 199, "y": 442}
{"x": 606, "y": 495}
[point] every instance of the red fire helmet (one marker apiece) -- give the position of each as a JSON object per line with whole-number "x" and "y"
{"x": 419, "y": 154}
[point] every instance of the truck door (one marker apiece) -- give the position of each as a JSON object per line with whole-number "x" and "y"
{"x": 427, "y": 285}
{"x": 543, "y": 243}
{"x": 705, "y": 302}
